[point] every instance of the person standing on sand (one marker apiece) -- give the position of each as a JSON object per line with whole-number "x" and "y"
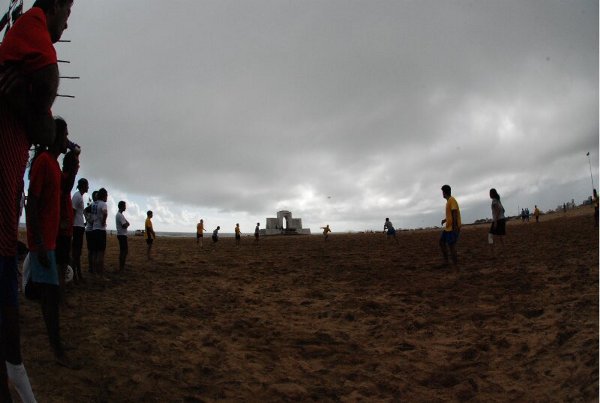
{"x": 238, "y": 234}
{"x": 536, "y": 213}
{"x": 498, "y": 228}
{"x": 28, "y": 86}
{"x": 257, "y": 232}
{"x": 150, "y": 235}
{"x": 43, "y": 220}
{"x": 100, "y": 213}
{"x": 122, "y": 224}
{"x": 65, "y": 231}
{"x": 215, "y": 235}
{"x": 391, "y": 231}
{"x": 89, "y": 232}
{"x": 200, "y": 232}
{"x": 451, "y": 231}
{"x": 78, "y": 228}
{"x": 326, "y": 231}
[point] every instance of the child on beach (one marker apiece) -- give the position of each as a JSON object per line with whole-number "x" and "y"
{"x": 326, "y": 231}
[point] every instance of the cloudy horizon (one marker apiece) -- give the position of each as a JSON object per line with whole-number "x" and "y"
{"x": 342, "y": 112}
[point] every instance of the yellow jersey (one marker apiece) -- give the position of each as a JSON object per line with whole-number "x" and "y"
{"x": 451, "y": 204}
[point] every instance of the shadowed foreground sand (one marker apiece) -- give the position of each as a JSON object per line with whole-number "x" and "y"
{"x": 354, "y": 318}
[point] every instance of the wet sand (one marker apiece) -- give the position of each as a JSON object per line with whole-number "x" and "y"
{"x": 355, "y": 318}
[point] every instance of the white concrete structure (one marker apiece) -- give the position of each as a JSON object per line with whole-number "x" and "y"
{"x": 284, "y": 224}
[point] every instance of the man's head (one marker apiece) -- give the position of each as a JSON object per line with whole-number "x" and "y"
{"x": 94, "y": 195}
{"x": 149, "y": 213}
{"x": 446, "y": 191}
{"x": 258, "y": 224}
{"x": 57, "y": 13}
{"x": 82, "y": 185}
{"x": 102, "y": 195}
{"x": 62, "y": 133}
{"x": 122, "y": 206}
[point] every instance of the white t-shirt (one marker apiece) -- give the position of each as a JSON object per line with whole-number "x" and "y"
{"x": 98, "y": 211}
{"x": 78, "y": 206}
{"x": 120, "y": 220}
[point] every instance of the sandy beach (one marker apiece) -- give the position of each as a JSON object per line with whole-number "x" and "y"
{"x": 355, "y": 318}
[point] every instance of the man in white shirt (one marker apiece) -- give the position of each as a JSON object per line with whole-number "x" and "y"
{"x": 78, "y": 228}
{"x": 100, "y": 213}
{"x": 122, "y": 225}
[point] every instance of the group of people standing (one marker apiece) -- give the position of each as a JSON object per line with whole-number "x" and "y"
{"x": 200, "y": 230}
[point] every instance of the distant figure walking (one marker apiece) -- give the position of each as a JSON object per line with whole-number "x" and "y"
{"x": 451, "y": 231}
{"x": 498, "y": 228}
{"x": 391, "y": 231}
{"x": 326, "y": 231}
{"x": 595, "y": 201}
{"x": 200, "y": 232}
{"x": 122, "y": 224}
{"x": 215, "y": 235}
{"x": 256, "y": 232}
{"x": 238, "y": 234}
{"x": 150, "y": 235}
{"x": 536, "y": 213}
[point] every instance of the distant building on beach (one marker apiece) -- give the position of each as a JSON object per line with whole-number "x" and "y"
{"x": 284, "y": 224}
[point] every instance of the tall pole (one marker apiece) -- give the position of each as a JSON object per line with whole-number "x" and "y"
{"x": 591, "y": 176}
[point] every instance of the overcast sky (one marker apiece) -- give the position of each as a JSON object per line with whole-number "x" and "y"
{"x": 343, "y": 112}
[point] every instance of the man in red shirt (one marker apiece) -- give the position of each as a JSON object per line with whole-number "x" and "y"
{"x": 28, "y": 85}
{"x": 43, "y": 221}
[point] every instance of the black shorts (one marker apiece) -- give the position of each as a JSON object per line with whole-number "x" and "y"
{"x": 238, "y": 236}
{"x": 499, "y": 228}
{"x": 123, "y": 246}
{"x": 77, "y": 244}
{"x": 215, "y": 238}
{"x": 149, "y": 241}
{"x": 63, "y": 249}
{"x": 198, "y": 236}
{"x": 99, "y": 239}
{"x": 89, "y": 240}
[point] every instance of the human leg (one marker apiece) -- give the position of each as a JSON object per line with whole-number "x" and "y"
{"x": 11, "y": 362}
{"x": 444, "y": 248}
{"x": 123, "y": 251}
{"x": 76, "y": 248}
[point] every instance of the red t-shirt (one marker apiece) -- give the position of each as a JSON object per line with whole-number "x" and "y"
{"x": 44, "y": 183}
{"x": 27, "y": 43}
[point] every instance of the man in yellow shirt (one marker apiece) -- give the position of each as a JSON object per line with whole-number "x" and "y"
{"x": 452, "y": 229}
{"x": 238, "y": 234}
{"x": 200, "y": 232}
{"x": 150, "y": 235}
